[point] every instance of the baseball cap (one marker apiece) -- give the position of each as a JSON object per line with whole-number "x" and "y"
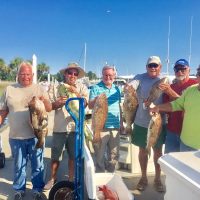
{"x": 154, "y": 59}
{"x": 181, "y": 63}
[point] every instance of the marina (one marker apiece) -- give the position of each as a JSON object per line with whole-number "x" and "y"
{"x": 76, "y": 50}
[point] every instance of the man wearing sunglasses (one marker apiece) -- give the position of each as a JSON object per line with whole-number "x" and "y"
{"x": 175, "y": 119}
{"x": 189, "y": 103}
{"x": 64, "y": 126}
{"x": 143, "y": 84}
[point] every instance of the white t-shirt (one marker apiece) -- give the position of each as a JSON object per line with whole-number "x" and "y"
{"x": 16, "y": 99}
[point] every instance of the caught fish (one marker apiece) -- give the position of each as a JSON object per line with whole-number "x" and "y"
{"x": 99, "y": 116}
{"x": 39, "y": 120}
{"x": 65, "y": 91}
{"x": 155, "y": 91}
{"x": 154, "y": 130}
{"x": 108, "y": 193}
{"x": 130, "y": 105}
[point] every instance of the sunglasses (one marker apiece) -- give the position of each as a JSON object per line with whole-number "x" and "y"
{"x": 72, "y": 73}
{"x": 153, "y": 65}
{"x": 177, "y": 69}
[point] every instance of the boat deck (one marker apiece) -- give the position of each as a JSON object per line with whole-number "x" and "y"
{"x": 130, "y": 178}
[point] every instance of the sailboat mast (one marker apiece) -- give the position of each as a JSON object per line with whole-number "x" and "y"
{"x": 190, "y": 53}
{"x": 84, "y": 64}
{"x": 168, "y": 47}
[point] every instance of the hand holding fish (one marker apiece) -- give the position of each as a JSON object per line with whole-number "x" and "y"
{"x": 73, "y": 89}
{"x": 92, "y": 103}
{"x": 156, "y": 91}
{"x": 146, "y": 103}
{"x": 46, "y": 102}
{"x": 153, "y": 109}
{"x": 60, "y": 102}
{"x": 165, "y": 87}
{"x": 41, "y": 98}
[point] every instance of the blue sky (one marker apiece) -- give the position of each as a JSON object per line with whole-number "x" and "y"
{"x": 121, "y": 32}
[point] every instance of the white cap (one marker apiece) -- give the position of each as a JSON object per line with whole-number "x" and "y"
{"x": 154, "y": 59}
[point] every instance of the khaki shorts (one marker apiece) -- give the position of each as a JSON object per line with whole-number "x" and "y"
{"x": 139, "y": 137}
{"x": 60, "y": 142}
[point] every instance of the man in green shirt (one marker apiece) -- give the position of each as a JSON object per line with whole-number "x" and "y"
{"x": 189, "y": 103}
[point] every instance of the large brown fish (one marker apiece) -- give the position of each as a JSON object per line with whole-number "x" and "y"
{"x": 155, "y": 91}
{"x": 130, "y": 105}
{"x": 154, "y": 130}
{"x": 39, "y": 120}
{"x": 99, "y": 116}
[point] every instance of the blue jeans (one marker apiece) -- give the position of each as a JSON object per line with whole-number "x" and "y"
{"x": 172, "y": 142}
{"x": 24, "y": 150}
{"x": 184, "y": 147}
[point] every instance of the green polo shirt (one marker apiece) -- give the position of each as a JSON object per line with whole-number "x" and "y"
{"x": 189, "y": 103}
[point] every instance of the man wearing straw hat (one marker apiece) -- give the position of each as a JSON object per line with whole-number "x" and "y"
{"x": 64, "y": 126}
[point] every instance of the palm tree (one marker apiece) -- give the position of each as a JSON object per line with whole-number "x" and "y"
{"x": 42, "y": 71}
{"x": 14, "y": 65}
{"x": 3, "y": 74}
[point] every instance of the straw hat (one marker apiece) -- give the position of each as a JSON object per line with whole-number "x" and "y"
{"x": 74, "y": 65}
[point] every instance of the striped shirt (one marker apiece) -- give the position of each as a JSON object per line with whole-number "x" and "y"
{"x": 114, "y": 99}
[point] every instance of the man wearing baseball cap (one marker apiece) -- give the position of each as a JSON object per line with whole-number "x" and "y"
{"x": 175, "y": 119}
{"x": 143, "y": 83}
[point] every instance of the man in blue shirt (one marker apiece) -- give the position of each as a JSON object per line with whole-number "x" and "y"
{"x": 106, "y": 156}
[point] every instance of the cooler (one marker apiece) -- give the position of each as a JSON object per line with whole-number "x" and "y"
{"x": 182, "y": 172}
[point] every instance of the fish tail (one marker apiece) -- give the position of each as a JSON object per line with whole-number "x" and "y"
{"x": 39, "y": 143}
{"x": 96, "y": 138}
{"x": 97, "y": 145}
{"x": 128, "y": 129}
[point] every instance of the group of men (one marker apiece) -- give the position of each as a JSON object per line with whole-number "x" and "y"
{"x": 22, "y": 139}
{"x": 170, "y": 134}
